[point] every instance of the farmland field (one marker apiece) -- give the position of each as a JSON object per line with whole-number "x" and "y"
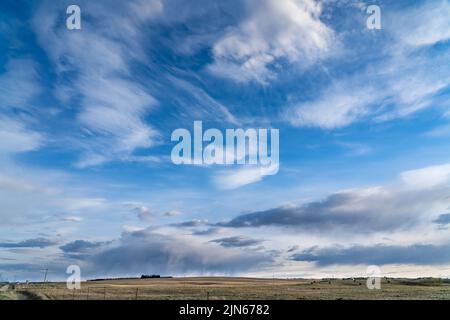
{"x": 224, "y": 288}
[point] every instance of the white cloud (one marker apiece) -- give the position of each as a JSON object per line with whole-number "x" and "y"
{"x": 130, "y": 228}
{"x": 34, "y": 198}
{"x": 15, "y": 137}
{"x": 425, "y": 25}
{"x": 8, "y": 182}
{"x": 242, "y": 176}
{"x": 72, "y": 219}
{"x": 439, "y": 131}
{"x": 232, "y": 179}
{"x": 113, "y": 113}
{"x": 145, "y": 9}
{"x": 356, "y": 149}
{"x": 427, "y": 177}
{"x": 143, "y": 213}
{"x": 97, "y": 62}
{"x": 76, "y": 204}
{"x": 202, "y": 105}
{"x": 406, "y": 81}
{"x": 273, "y": 30}
{"x": 337, "y": 106}
{"x": 18, "y": 84}
{"x": 395, "y": 90}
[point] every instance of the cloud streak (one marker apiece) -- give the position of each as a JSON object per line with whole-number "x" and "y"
{"x": 418, "y": 254}
{"x": 113, "y": 106}
{"x": 398, "y": 206}
{"x": 29, "y": 243}
{"x": 237, "y": 241}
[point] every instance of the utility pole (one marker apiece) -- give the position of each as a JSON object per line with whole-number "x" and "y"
{"x": 45, "y": 274}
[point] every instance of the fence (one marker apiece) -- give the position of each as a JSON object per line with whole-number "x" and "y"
{"x": 118, "y": 293}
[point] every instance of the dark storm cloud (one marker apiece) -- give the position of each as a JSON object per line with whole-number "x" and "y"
{"x": 29, "y": 243}
{"x": 148, "y": 252}
{"x": 79, "y": 246}
{"x": 192, "y": 223}
{"x": 417, "y": 254}
{"x": 237, "y": 241}
{"x": 363, "y": 210}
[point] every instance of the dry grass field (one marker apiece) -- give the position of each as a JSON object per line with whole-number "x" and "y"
{"x": 223, "y": 288}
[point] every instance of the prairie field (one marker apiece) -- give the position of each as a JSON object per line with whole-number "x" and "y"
{"x": 226, "y": 288}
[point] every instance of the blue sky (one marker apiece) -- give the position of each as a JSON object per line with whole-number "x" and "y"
{"x": 86, "y": 118}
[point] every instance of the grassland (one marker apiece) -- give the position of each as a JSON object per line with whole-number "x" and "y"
{"x": 222, "y": 288}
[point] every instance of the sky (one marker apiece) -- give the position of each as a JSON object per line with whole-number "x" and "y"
{"x": 86, "y": 118}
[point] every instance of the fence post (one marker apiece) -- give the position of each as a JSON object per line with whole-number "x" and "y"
{"x": 137, "y": 291}
{"x": 87, "y": 296}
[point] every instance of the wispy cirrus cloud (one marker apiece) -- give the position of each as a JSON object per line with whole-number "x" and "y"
{"x": 113, "y": 106}
{"x": 392, "y": 91}
{"x": 16, "y": 137}
{"x": 198, "y": 104}
{"x": 407, "y": 77}
{"x": 432, "y": 27}
{"x": 19, "y": 85}
{"x": 236, "y": 178}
